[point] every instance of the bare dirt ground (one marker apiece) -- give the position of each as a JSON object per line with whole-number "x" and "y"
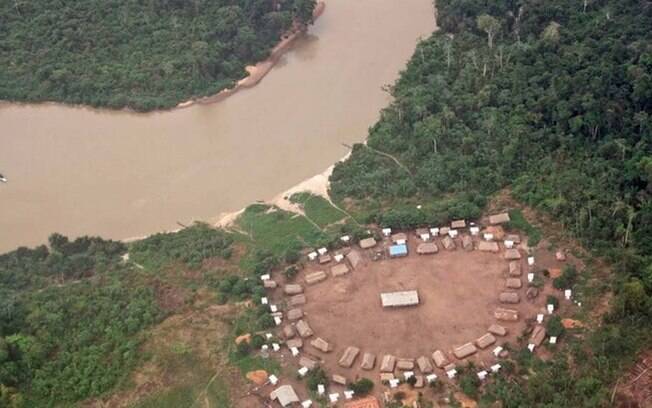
{"x": 458, "y": 293}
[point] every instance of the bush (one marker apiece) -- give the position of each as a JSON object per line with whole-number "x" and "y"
{"x": 257, "y": 341}
{"x": 554, "y": 327}
{"x": 291, "y": 272}
{"x": 552, "y": 300}
{"x": 362, "y": 387}
{"x": 316, "y": 377}
{"x": 469, "y": 383}
{"x": 243, "y": 349}
{"x": 411, "y": 381}
{"x": 567, "y": 279}
{"x": 291, "y": 256}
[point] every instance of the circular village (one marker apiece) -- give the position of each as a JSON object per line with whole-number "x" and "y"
{"x": 409, "y": 310}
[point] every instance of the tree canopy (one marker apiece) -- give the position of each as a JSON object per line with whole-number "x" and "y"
{"x": 142, "y": 55}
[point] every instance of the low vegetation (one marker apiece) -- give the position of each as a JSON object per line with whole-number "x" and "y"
{"x": 190, "y": 246}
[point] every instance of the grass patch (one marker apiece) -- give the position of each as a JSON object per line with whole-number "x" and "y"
{"x": 216, "y": 394}
{"x": 317, "y": 208}
{"x": 277, "y": 231}
{"x": 518, "y": 222}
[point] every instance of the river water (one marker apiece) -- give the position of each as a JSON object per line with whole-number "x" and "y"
{"x": 118, "y": 174}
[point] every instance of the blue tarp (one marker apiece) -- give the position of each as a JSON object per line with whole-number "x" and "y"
{"x": 398, "y": 250}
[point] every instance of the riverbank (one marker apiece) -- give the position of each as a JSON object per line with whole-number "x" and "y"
{"x": 255, "y": 73}
{"x": 317, "y": 185}
{"x": 133, "y": 175}
{"x": 258, "y": 71}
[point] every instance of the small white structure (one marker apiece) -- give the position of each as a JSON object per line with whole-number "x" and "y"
{"x": 425, "y": 237}
{"x": 452, "y": 233}
{"x": 408, "y": 374}
{"x": 264, "y": 347}
{"x": 399, "y": 299}
{"x": 312, "y": 256}
{"x": 553, "y": 339}
{"x": 530, "y": 260}
{"x": 497, "y": 351}
{"x": 264, "y": 301}
{"x": 348, "y": 394}
{"x": 530, "y": 347}
{"x": 273, "y": 379}
{"x": 551, "y": 308}
{"x": 495, "y": 368}
{"x": 338, "y": 257}
{"x": 530, "y": 277}
{"x": 474, "y": 231}
{"x": 265, "y": 277}
{"x": 393, "y": 383}
{"x": 509, "y": 244}
{"x": 488, "y": 237}
{"x": 568, "y": 293}
{"x": 278, "y": 320}
{"x": 345, "y": 238}
{"x": 540, "y": 318}
{"x": 322, "y": 251}
{"x": 302, "y": 371}
{"x": 276, "y": 347}
{"x": 482, "y": 375}
{"x": 434, "y": 231}
{"x": 431, "y": 378}
{"x": 306, "y": 404}
{"x": 334, "y": 397}
{"x": 268, "y": 336}
{"x": 451, "y": 373}
{"x": 273, "y": 308}
{"x": 321, "y": 389}
{"x": 387, "y": 231}
{"x": 400, "y": 242}
{"x": 294, "y": 351}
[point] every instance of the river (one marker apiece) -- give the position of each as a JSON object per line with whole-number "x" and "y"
{"x": 81, "y": 171}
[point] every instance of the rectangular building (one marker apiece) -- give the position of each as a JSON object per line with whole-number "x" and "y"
{"x": 400, "y": 299}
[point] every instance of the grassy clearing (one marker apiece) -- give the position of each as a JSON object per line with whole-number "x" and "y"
{"x": 518, "y": 222}
{"x": 201, "y": 394}
{"x": 317, "y": 208}
{"x": 277, "y": 231}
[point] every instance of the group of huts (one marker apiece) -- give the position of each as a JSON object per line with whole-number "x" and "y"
{"x": 295, "y": 329}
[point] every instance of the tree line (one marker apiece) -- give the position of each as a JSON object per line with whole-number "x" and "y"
{"x": 551, "y": 100}
{"x": 142, "y": 55}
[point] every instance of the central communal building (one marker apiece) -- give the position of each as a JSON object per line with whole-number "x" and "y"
{"x": 400, "y": 299}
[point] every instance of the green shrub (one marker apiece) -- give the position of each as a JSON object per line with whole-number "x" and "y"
{"x": 567, "y": 279}
{"x": 554, "y": 327}
{"x": 316, "y": 377}
{"x": 469, "y": 383}
{"x": 518, "y": 222}
{"x": 362, "y": 387}
{"x": 291, "y": 272}
{"x": 552, "y": 300}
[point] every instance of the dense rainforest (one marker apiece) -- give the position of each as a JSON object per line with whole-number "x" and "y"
{"x": 142, "y": 55}
{"x": 73, "y": 313}
{"x": 551, "y": 100}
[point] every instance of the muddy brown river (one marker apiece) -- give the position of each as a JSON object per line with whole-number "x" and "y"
{"x": 118, "y": 174}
